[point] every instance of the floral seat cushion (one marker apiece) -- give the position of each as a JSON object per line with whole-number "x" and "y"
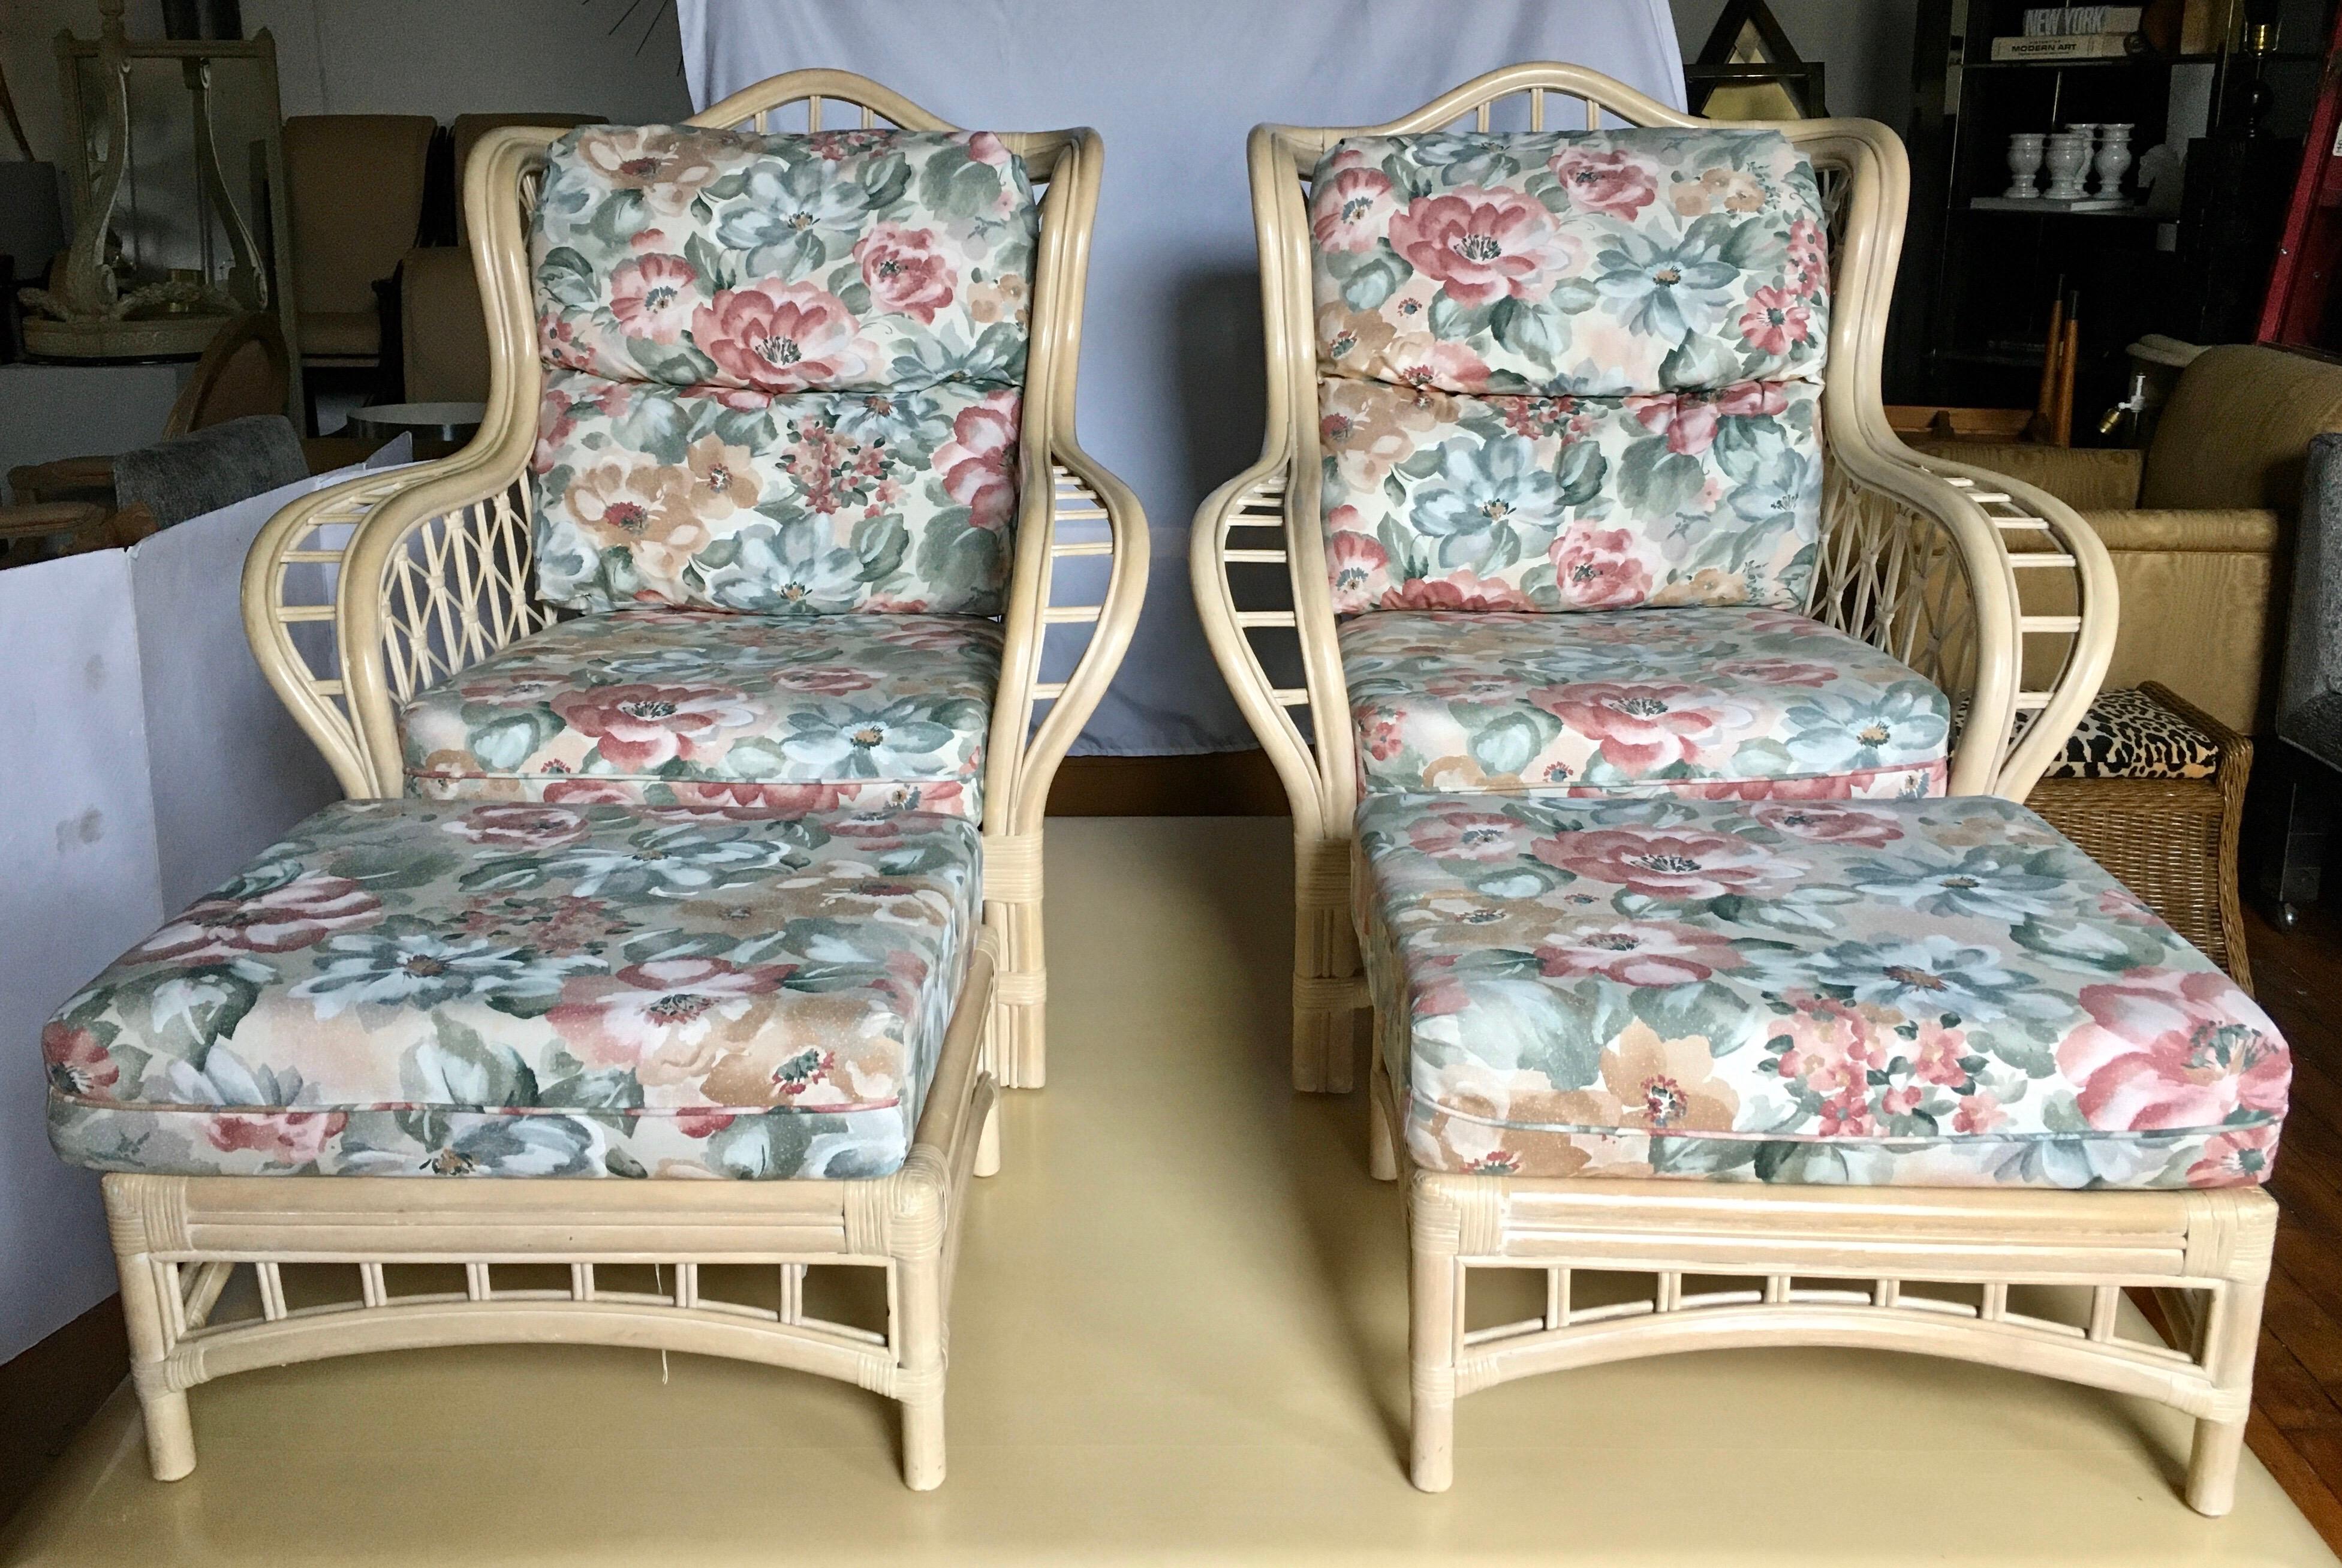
{"x": 780, "y": 368}
{"x": 1927, "y": 992}
{"x": 794, "y": 713}
{"x": 1570, "y": 371}
{"x": 403, "y": 988}
{"x": 1730, "y": 703}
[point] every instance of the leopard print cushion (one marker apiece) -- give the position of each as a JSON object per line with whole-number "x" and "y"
{"x": 2128, "y": 735}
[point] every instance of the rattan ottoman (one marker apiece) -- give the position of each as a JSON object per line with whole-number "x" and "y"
{"x": 688, "y": 1059}
{"x": 1907, "y": 1075}
{"x": 2153, "y": 788}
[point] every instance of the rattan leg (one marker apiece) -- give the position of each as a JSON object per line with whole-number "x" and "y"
{"x": 987, "y": 1143}
{"x": 921, "y": 1283}
{"x": 1326, "y": 992}
{"x": 1012, "y": 892}
{"x": 920, "y": 1290}
{"x": 1019, "y": 1046}
{"x": 1434, "y": 1305}
{"x": 1382, "y": 1137}
{"x": 2228, "y": 1348}
{"x": 2212, "y": 1464}
{"x": 170, "y": 1434}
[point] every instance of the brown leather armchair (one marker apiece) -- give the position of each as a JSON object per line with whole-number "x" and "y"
{"x": 2200, "y": 524}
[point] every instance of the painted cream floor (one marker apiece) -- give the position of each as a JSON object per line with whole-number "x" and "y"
{"x": 1178, "y": 1337}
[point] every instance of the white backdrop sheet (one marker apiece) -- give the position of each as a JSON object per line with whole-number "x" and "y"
{"x": 1171, "y": 390}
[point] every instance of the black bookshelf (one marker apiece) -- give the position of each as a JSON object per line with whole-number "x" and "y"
{"x": 1977, "y": 283}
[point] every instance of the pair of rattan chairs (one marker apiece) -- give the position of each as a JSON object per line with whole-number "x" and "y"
{"x": 624, "y": 918}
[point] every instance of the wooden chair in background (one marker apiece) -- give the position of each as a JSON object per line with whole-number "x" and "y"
{"x": 245, "y": 371}
{"x": 41, "y": 532}
{"x": 2050, "y": 421}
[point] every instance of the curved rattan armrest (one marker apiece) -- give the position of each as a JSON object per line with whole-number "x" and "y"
{"x": 2076, "y": 560}
{"x": 1063, "y": 484}
{"x": 357, "y": 529}
{"x": 1113, "y": 620}
{"x": 464, "y": 589}
{"x": 1254, "y": 498}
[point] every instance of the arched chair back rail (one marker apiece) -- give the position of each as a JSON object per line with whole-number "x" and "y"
{"x": 243, "y": 371}
{"x": 1918, "y": 557}
{"x": 427, "y": 571}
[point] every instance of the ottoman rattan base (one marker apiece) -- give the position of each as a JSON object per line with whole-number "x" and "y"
{"x": 1946, "y": 1272}
{"x": 179, "y": 1240}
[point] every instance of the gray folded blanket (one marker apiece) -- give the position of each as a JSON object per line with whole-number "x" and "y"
{"x": 190, "y": 475}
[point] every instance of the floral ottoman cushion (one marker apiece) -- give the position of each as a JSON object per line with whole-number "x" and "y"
{"x": 1924, "y": 993}
{"x": 1725, "y": 702}
{"x": 782, "y": 371}
{"x": 402, "y": 988}
{"x": 694, "y": 707}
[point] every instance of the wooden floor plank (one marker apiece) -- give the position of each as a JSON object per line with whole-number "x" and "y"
{"x": 2307, "y": 1326}
{"x": 2298, "y": 1476}
{"x": 2296, "y": 1427}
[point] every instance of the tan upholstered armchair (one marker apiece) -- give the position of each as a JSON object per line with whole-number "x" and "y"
{"x": 2199, "y": 525}
{"x": 443, "y": 335}
{"x": 355, "y": 191}
{"x": 1912, "y": 561}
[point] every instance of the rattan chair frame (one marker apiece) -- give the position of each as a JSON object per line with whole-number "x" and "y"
{"x": 1913, "y": 557}
{"x": 1915, "y": 560}
{"x": 178, "y": 1239}
{"x": 432, "y": 562}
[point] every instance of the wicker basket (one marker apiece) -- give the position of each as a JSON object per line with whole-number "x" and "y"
{"x": 2173, "y": 841}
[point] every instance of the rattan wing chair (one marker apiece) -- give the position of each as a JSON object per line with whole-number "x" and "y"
{"x": 364, "y": 596}
{"x": 1915, "y": 554}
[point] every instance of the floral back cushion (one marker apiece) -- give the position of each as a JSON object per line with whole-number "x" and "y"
{"x": 1434, "y": 501}
{"x": 1568, "y": 371}
{"x": 1585, "y": 264}
{"x": 848, "y": 261}
{"x": 763, "y": 352}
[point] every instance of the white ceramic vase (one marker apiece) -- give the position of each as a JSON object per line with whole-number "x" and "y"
{"x": 2069, "y": 161}
{"x": 2114, "y": 158}
{"x": 2023, "y": 164}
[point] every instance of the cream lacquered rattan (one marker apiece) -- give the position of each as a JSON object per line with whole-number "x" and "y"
{"x": 178, "y": 1239}
{"x": 2029, "y": 1280}
{"x": 1912, "y": 558}
{"x": 361, "y": 596}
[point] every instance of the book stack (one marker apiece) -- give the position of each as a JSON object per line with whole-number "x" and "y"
{"x": 2071, "y": 32}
